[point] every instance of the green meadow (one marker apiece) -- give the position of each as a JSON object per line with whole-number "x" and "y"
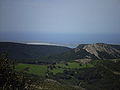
{"x": 41, "y": 70}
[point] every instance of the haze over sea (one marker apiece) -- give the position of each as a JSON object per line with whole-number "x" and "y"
{"x": 60, "y": 21}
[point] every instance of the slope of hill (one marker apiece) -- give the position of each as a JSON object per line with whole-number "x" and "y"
{"x": 48, "y": 53}
{"x": 91, "y": 51}
{"x": 102, "y": 51}
{"x": 26, "y": 51}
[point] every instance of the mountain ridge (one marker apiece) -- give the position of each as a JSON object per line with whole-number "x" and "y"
{"x": 101, "y": 47}
{"x": 96, "y": 51}
{"x": 60, "y": 53}
{"x": 28, "y": 51}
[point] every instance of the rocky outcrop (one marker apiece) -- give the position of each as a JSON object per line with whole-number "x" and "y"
{"x": 102, "y": 51}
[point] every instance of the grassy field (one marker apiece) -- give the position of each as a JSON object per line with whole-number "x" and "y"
{"x": 70, "y": 65}
{"x": 41, "y": 70}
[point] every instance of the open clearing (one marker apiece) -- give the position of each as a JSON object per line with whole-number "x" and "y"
{"x": 41, "y": 70}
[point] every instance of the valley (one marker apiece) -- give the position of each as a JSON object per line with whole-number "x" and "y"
{"x": 81, "y": 76}
{"x": 86, "y": 67}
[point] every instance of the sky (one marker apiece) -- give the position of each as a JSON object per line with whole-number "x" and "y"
{"x": 60, "y": 21}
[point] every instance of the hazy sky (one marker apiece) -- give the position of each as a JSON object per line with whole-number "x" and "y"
{"x": 61, "y": 21}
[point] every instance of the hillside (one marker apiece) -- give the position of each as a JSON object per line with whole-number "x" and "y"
{"x": 26, "y": 51}
{"x": 49, "y": 53}
{"x": 79, "y": 74}
{"x": 102, "y": 51}
{"x": 91, "y": 51}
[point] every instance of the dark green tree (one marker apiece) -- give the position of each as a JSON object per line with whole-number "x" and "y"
{"x": 9, "y": 78}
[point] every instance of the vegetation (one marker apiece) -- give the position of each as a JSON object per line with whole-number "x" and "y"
{"x": 25, "y": 52}
{"x": 61, "y": 67}
{"x": 9, "y": 79}
{"x": 42, "y": 70}
{"x": 63, "y": 75}
{"x": 44, "y": 54}
{"x": 39, "y": 70}
{"x": 95, "y": 75}
{"x": 12, "y": 80}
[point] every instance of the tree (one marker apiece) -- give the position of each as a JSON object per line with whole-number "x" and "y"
{"x": 9, "y": 78}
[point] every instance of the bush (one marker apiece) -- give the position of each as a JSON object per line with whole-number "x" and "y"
{"x": 9, "y": 79}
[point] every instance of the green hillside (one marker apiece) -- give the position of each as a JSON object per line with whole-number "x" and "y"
{"x": 81, "y": 74}
{"x": 94, "y": 75}
{"x": 21, "y": 51}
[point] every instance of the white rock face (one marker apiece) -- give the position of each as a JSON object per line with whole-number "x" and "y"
{"x": 95, "y": 48}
